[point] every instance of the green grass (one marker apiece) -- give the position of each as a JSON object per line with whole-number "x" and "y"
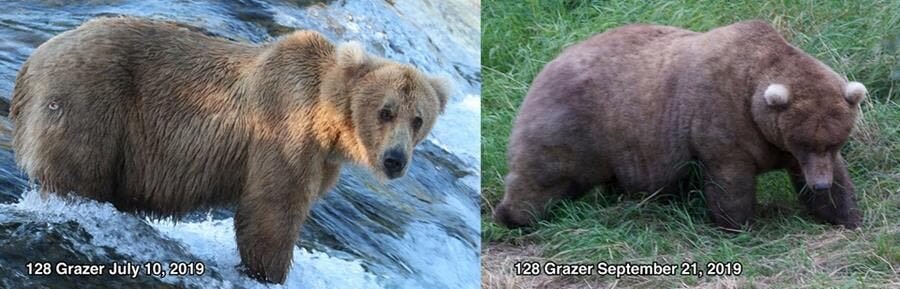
{"x": 787, "y": 248}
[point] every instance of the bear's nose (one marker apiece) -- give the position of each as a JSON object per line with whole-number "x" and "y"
{"x": 394, "y": 161}
{"x": 821, "y": 186}
{"x": 503, "y": 215}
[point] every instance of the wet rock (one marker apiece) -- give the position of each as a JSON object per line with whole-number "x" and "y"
{"x": 419, "y": 231}
{"x": 24, "y": 240}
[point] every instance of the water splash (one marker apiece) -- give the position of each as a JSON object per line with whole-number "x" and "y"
{"x": 421, "y": 231}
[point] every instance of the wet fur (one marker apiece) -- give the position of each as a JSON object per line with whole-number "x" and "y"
{"x": 160, "y": 119}
{"x": 631, "y": 106}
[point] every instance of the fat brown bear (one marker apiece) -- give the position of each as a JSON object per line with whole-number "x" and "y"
{"x": 160, "y": 119}
{"x": 630, "y": 107}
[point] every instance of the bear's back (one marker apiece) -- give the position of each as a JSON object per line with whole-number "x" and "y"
{"x": 144, "y": 114}
{"x": 635, "y": 95}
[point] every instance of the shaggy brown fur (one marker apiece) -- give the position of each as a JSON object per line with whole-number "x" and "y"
{"x": 631, "y": 106}
{"x": 161, "y": 119}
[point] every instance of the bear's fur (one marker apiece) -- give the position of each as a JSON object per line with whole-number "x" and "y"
{"x": 158, "y": 118}
{"x": 632, "y": 106}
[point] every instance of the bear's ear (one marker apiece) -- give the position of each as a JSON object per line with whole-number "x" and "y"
{"x": 441, "y": 86}
{"x": 776, "y": 95}
{"x": 855, "y": 92}
{"x": 352, "y": 57}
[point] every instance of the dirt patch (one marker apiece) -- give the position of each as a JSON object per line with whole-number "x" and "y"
{"x": 498, "y": 269}
{"x": 498, "y": 272}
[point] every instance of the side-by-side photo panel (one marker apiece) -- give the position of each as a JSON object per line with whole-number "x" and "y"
{"x": 348, "y": 144}
{"x": 712, "y": 144}
{"x": 240, "y": 144}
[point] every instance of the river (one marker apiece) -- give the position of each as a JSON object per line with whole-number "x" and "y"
{"x": 419, "y": 231}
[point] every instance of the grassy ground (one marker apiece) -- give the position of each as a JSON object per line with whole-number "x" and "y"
{"x": 787, "y": 248}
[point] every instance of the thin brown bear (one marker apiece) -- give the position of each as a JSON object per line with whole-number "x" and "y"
{"x": 161, "y": 119}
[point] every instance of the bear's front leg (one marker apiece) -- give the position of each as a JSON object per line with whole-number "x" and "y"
{"x": 730, "y": 191}
{"x": 270, "y": 213}
{"x": 837, "y": 205}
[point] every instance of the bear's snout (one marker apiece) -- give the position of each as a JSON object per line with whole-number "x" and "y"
{"x": 821, "y": 186}
{"x": 818, "y": 171}
{"x": 394, "y": 163}
{"x": 505, "y": 215}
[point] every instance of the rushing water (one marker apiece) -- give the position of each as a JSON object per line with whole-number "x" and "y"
{"x": 420, "y": 231}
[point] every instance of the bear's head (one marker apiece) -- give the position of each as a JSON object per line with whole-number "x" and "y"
{"x": 811, "y": 119}
{"x": 392, "y": 106}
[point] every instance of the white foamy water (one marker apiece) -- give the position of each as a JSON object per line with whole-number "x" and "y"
{"x": 211, "y": 242}
{"x": 435, "y": 246}
{"x": 458, "y": 130}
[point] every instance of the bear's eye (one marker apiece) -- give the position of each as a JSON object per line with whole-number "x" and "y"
{"x": 386, "y": 115}
{"x": 417, "y": 123}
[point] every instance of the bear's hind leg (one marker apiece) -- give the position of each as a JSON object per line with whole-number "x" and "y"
{"x": 730, "y": 191}
{"x": 837, "y": 205}
{"x": 76, "y": 139}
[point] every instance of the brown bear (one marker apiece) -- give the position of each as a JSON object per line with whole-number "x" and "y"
{"x": 631, "y": 106}
{"x": 161, "y": 119}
